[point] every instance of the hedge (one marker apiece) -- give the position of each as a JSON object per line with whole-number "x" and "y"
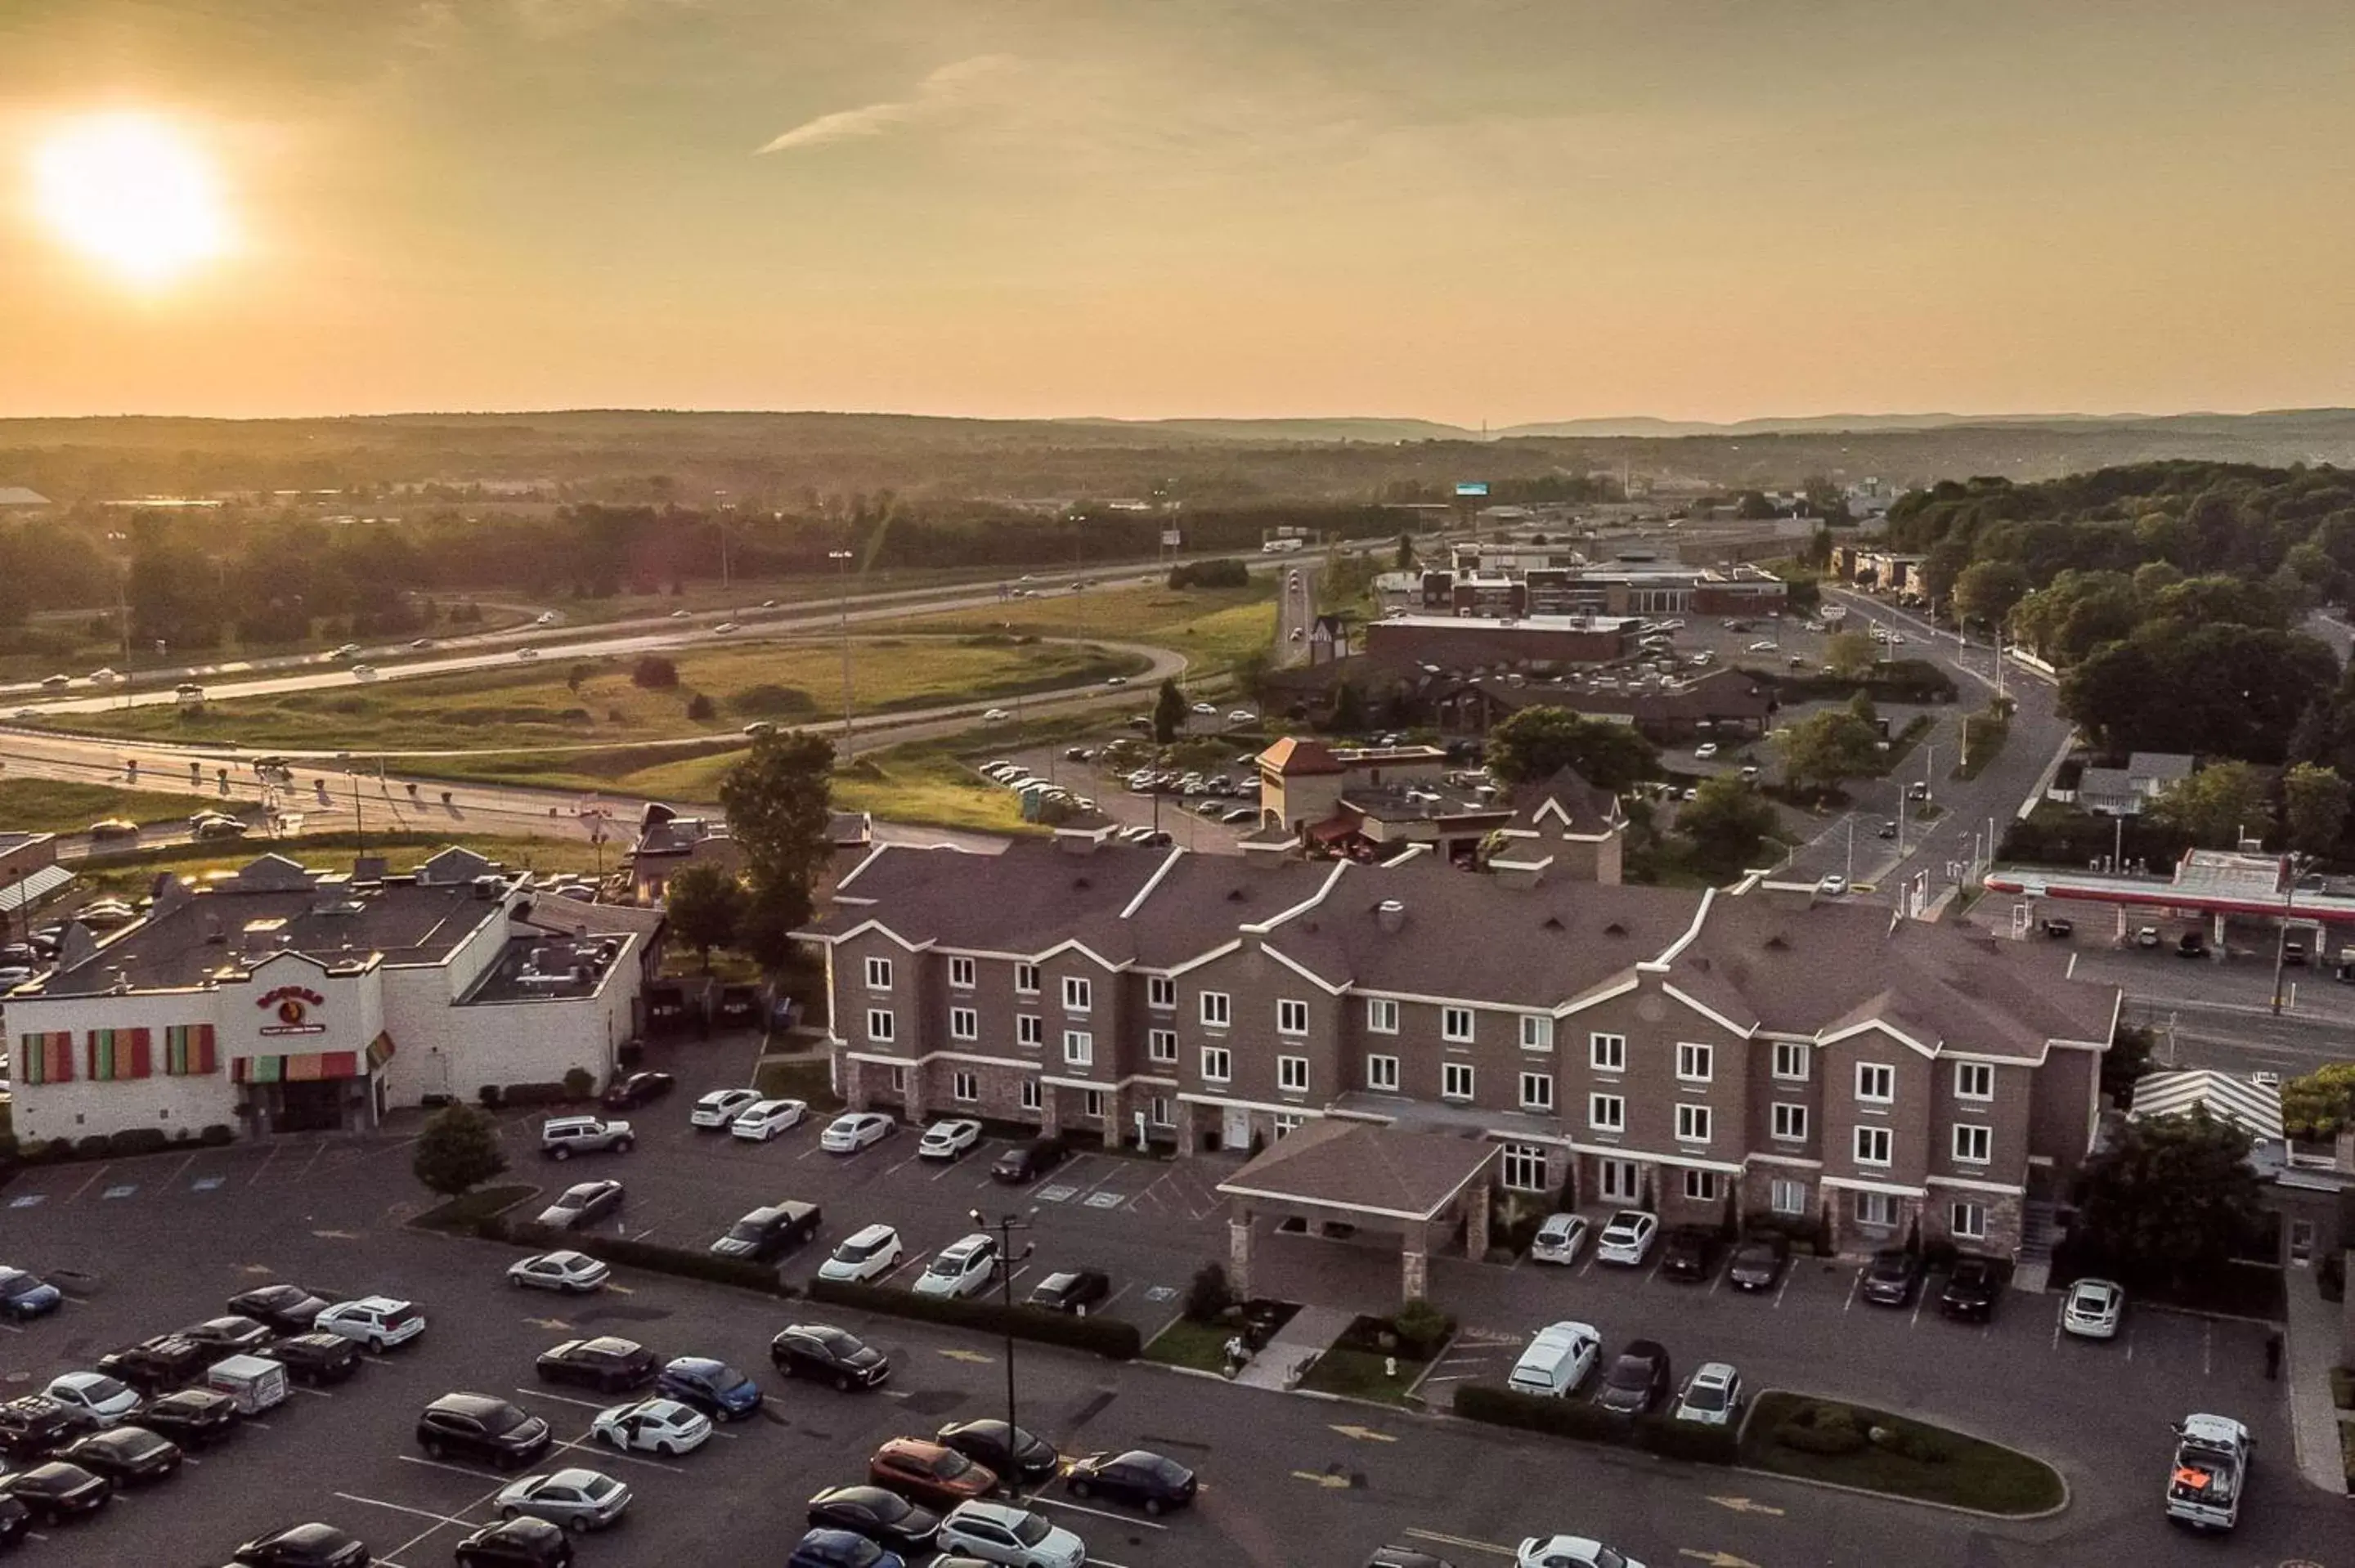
{"x": 1585, "y": 1422}
{"x": 683, "y": 1262}
{"x": 467, "y": 1211}
{"x": 1107, "y": 1337}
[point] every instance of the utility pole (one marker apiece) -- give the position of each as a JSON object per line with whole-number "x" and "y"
{"x": 842, "y": 558}
{"x": 1006, "y": 1226}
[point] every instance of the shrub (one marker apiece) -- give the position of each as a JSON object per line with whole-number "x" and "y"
{"x": 700, "y": 708}
{"x": 1107, "y": 1337}
{"x": 37, "y": 1151}
{"x": 1421, "y": 1328}
{"x": 654, "y": 672}
{"x": 578, "y": 1082}
{"x": 1828, "y": 1429}
{"x": 489, "y": 1095}
{"x": 216, "y": 1135}
{"x": 184, "y": 1135}
{"x": 542, "y": 1094}
{"x": 1225, "y": 573}
{"x": 1209, "y": 1294}
{"x": 684, "y": 1262}
{"x": 91, "y": 1148}
{"x": 138, "y": 1140}
{"x": 468, "y": 1211}
{"x": 1673, "y": 1439}
{"x": 1574, "y": 1418}
{"x": 1919, "y": 1446}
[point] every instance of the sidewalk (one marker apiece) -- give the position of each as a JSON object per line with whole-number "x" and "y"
{"x": 2313, "y": 1350}
{"x": 1309, "y": 1334}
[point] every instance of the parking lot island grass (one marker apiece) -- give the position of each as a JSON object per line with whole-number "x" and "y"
{"x": 804, "y": 1079}
{"x": 468, "y": 1210}
{"x": 1871, "y": 1450}
{"x": 1212, "y": 627}
{"x": 1202, "y": 1347}
{"x": 1111, "y": 1337}
{"x": 1362, "y": 1374}
{"x": 1984, "y": 734}
{"x": 63, "y": 806}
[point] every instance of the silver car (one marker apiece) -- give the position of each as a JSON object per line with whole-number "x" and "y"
{"x": 575, "y": 1498}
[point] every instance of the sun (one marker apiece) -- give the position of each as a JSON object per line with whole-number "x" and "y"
{"x": 132, "y": 192}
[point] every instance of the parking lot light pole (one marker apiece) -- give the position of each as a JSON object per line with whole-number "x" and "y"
{"x": 842, "y": 556}
{"x": 1006, "y": 1225}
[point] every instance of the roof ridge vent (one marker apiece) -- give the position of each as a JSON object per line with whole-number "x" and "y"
{"x": 1775, "y": 943}
{"x": 1234, "y": 895}
{"x": 1553, "y": 923}
{"x": 1614, "y": 929}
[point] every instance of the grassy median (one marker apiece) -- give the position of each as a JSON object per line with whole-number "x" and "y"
{"x": 56, "y": 806}
{"x": 1874, "y": 1451}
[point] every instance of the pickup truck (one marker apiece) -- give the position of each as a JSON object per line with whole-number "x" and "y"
{"x": 2211, "y": 1469}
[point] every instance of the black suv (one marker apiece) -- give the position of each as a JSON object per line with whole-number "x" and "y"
{"x": 191, "y": 1418}
{"x": 522, "y": 1543}
{"x": 165, "y": 1361}
{"x": 476, "y": 1427}
{"x": 317, "y": 1358}
{"x": 1890, "y": 1277}
{"x": 35, "y": 1426}
{"x": 1690, "y": 1254}
{"x": 1972, "y": 1289}
{"x": 1030, "y": 1161}
{"x": 767, "y": 1232}
{"x": 825, "y": 1352}
{"x": 607, "y": 1364}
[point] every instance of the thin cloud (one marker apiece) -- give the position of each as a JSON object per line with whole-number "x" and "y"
{"x": 945, "y": 91}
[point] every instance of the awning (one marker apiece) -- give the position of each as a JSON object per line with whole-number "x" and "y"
{"x": 380, "y": 1050}
{"x": 303, "y": 1067}
{"x": 1334, "y": 830}
{"x": 32, "y": 887}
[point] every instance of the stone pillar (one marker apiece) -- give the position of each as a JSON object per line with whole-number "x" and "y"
{"x": 1239, "y": 1251}
{"x": 1414, "y": 1262}
{"x": 1186, "y": 1140}
{"x": 851, "y": 1078}
{"x": 915, "y": 1107}
{"x": 1475, "y": 1221}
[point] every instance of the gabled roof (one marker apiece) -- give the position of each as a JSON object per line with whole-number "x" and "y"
{"x": 1295, "y": 756}
{"x": 1565, "y": 803}
{"x": 1036, "y": 897}
{"x": 2252, "y": 1108}
{"x": 1332, "y": 1162}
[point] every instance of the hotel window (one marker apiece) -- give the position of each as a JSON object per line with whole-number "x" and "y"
{"x": 1694, "y": 1063}
{"x": 1692, "y": 1124}
{"x": 1456, "y": 1080}
{"x": 1093, "y": 1105}
{"x": 1287, "y": 1124}
{"x": 1790, "y": 1121}
{"x": 1607, "y": 1053}
{"x": 1968, "y": 1222}
{"x": 1161, "y": 992}
{"x": 1292, "y": 1018}
{"x": 964, "y": 1024}
{"x": 1872, "y": 1146}
{"x": 1522, "y": 1168}
{"x": 1292, "y": 1073}
{"x": 1878, "y": 1210}
{"x": 879, "y": 974}
{"x": 879, "y": 1027}
{"x": 1163, "y": 1115}
{"x": 1026, "y": 979}
{"x": 1791, "y": 1061}
{"x": 1078, "y": 1047}
{"x": 1455, "y": 1026}
{"x": 1973, "y": 1142}
{"x": 965, "y": 1087}
{"x": 1606, "y": 1113}
{"x": 961, "y": 974}
{"x": 1537, "y": 1031}
{"x": 899, "y": 1080}
{"x": 1028, "y": 1031}
{"x": 1536, "y": 1091}
{"x": 1079, "y": 995}
{"x": 1787, "y": 1197}
{"x": 1702, "y": 1186}
{"x": 1382, "y": 1072}
{"x": 1973, "y": 1081}
{"x": 1218, "y": 1066}
{"x": 1030, "y": 1093}
{"x": 1876, "y": 1084}
{"x": 1161, "y": 1045}
{"x": 1381, "y": 1015}
{"x": 1217, "y": 1009}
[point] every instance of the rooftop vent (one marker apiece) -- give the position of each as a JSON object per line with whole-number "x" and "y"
{"x": 1553, "y": 923}
{"x": 1234, "y": 895}
{"x": 1390, "y": 914}
{"x": 1775, "y": 943}
{"x": 1614, "y": 929}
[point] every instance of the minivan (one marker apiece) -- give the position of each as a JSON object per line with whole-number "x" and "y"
{"x": 1557, "y": 1360}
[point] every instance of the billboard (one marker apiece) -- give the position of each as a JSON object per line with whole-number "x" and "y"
{"x": 1468, "y": 487}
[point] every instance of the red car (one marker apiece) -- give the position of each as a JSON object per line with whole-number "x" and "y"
{"x": 932, "y": 1474}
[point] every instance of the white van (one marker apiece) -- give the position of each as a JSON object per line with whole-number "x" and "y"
{"x": 1557, "y": 1362}
{"x": 255, "y": 1383}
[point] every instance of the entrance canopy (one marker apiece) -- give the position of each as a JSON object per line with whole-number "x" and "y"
{"x": 1359, "y": 1169}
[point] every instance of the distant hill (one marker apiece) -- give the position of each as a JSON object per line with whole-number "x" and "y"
{"x": 1351, "y": 428}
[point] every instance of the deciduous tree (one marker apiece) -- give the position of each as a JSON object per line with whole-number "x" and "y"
{"x": 1851, "y": 654}
{"x": 777, "y": 801}
{"x": 1537, "y": 743}
{"x": 2171, "y": 1196}
{"x": 1987, "y": 590}
{"x": 706, "y": 905}
{"x": 2218, "y": 806}
{"x": 458, "y": 1151}
{"x": 2321, "y": 1104}
{"x": 2315, "y": 801}
{"x": 1825, "y": 748}
{"x": 1169, "y": 713}
{"x": 1726, "y": 822}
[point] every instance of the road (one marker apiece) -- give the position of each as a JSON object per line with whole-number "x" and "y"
{"x": 1946, "y": 848}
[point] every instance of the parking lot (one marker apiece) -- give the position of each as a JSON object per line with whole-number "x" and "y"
{"x": 151, "y": 1243}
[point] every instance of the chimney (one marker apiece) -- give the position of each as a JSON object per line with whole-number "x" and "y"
{"x": 1391, "y": 914}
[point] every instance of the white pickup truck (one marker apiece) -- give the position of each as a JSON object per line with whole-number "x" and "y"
{"x": 2212, "y": 1470}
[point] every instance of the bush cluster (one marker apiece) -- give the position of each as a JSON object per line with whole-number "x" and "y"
{"x": 1585, "y": 1422}
{"x": 1107, "y": 1337}
{"x": 1224, "y": 573}
{"x": 1825, "y": 1429}
{"x": 683, "y": 1262}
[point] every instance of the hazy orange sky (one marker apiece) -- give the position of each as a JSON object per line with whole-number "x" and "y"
{"x": 1461, "y": 209}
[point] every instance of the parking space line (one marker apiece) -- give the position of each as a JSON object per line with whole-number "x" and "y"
{"x": 947, "y": 1171}
{"x": 895, "y": 1170}
{"x": 313, "y": 1393}
{"x": 440, "y": 1465}
{"x": 561, "y": 1398}
{"x": 1121, "y": 1518}
{"x": 1105, "y": 1177}
{"x": 2208, "y": 1349}
{"x": 1105, "y": 1306}
{"x": 266, "y": 1158}
{"x": 1788, "y": 1271}
{"x": 1921, "y": 1300}
{"x": 86, "y": 1185}
{"x": 813, "y": 1148}
{"x": 404, "y": 1508}
{"x": 2130, "y": 1341}
{"x": 580, "y": 1446}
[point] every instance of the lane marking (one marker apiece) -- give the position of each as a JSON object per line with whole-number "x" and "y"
{"x": 1462, "y": 1541}
{"x": 404, "y": 1508}
{"x": 440, "y": 1464}
{"x": 1125, "y": 1520}
{"x": 1744, "y": 1505}
{"x": 1319, "y": 1478}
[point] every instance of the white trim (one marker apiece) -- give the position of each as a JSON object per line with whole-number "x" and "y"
{"x": 1582, "y": 1003}
{"x": 1964, "y": 1185}
{"x": 1229, "y": 1190}
{"x": 871, "y": 925}
{"x": 874, "y": 854}
{"x": 2035, "y": 1061}
{"x": 1220, "y": 951}
{"x": 1329, "y": 987}
{"x": 1189, "y": 1097}
{"x": 1737, "y": 1030}
{"x": 1701, "y": 918}
{"x": 1792, "y": 1160}
{"x": 882, "y": 1060}
{"x": 1682, "y": 1161}
{"x": 1101, "y": 1084}
{"x": 1311, "y": 902}
{"x": 1883, "y": 1026}
{"x": 1861, "y": 1184}
{"x": 1152, "y": 882}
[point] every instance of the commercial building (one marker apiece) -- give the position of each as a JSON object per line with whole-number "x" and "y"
{"x": 1702, "y": 1054}
{"x": 1668, "y": 710}
{"x": 1371, "y": 801}
{"x": 1513, "y": 586}
{"x": 29, "y": 873}
{"x": 1465, "y": 641}
{"x": 283, "y": 998}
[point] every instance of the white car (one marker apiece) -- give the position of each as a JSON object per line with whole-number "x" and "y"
{"x": 104, "y": 677}
{"x": 1764, "y": 647}
{"x": 105, "y": 1400}
{"x": 1832, "y": 886}
{"x": 963, "y": 1267}
{"x": 679, "y": 615}
{"x": 723, "y": 629}
{"x": 2093, "y": 1308}
{"x": 995, "y": 716}
{"x": 1713, "y": 1397}
{"x": 379, "y": 1322}
{"x": 1627, "y": 1239}
{"x": 573, "y": 1272}
{"x": 1705, "y": 750}
{"x": 719, "y": 1108}
{"x": 849, "y": 1133}
{"x": 1242, "y": 715}
{"x": 1000, "y": 1533}
{"x": 545, "y": 618}
{"x": 363, "y": 672}
{"x": 872, "y": 1253}
{"x": 652, "y": 1426}
{"x": 947, "y": 1139}
{"x": 1571, "y": 1551}
{"x": 764, "y": 1120}
{"x": 1559, "y": 1239}
{"x": 1207, "y": 710}
{"x": 576, "y": 1498}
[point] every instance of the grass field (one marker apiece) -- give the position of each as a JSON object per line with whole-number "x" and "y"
{"x": 1186, "y": 1343}
{"x": 1942, "y": 1467}
{"x": 544, "y": 704}
{"x": 61, "y": 806}
{"x": 1212, "y": 627}
{"x": 335, "y": 851}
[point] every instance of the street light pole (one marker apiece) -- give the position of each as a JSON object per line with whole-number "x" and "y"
{"x": 1006, "y": 1226}
{"x": 842, "y": 558}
